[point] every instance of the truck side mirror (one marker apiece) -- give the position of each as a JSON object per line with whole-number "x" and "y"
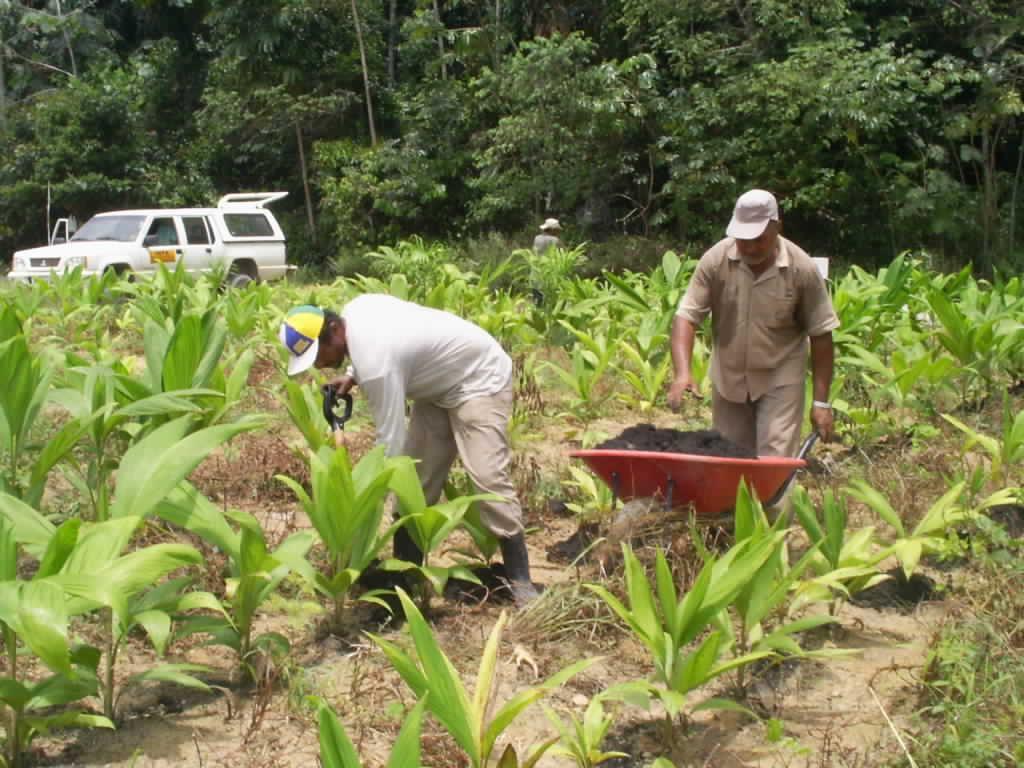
{"x": 149, "y": 241}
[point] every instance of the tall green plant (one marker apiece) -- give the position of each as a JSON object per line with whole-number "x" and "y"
{"x": 429, "y": 526}
{"x": 114, "y": 422}
{"x": 89, "y": 564}
{"x": 645, "y": 375}
{"x": 254, "y": 571}
{"x": 844, "y": 563}
{"x": 346, "y": 508}
{"x": 580, "y": 739}
{"x": 470, "y": 719}
{"x": 668, "y": 625}
{"x": 971, "y": 339}
{"x": 1005, "y": 452}
{"x": 25, "y": 391}
{"x": 760, "y": 604}
{"x": 34, "y": 620}
{"x": 305, "y": 408}
{"x": 590, "y": 358}
{"x": 337, "y": 751}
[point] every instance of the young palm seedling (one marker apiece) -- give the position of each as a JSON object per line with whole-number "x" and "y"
{"x": 844, "y": 564}
{"x": 346, "y": 508}
{"x": 668, "y": 625}
{"x": 763, "y": 599}
{"x": 580, "y": 739}
{"x": 931, "y": 536}
{"x": 429, "y": 527}
{"x": 34, "y": 622}
{"x": 254, "y": 571}
{"x": 470, "y": 719}
{"x": 25, "y": 391}
{"x": 337, "y": 751}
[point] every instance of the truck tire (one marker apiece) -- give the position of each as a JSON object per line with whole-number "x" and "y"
{"x": 239, "y": 280}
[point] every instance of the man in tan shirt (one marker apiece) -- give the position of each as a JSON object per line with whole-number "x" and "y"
{"x": 766, "y": 299}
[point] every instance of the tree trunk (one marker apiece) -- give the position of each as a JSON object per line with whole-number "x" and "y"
{"x": 440, "y": 41}
{"x": 67, "y": 41}
{"x": 366, "y": 74}
{"x": 989, "y": 194}
{"x": 305, "y": 180}
{"x": 497, "y": 33}
{"x": 1013, "y": 199}
{"x": 3, "y": 84}
{"x": 392, "y": 40}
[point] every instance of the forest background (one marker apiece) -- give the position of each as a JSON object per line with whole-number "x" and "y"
{"x": 882, "y": 125}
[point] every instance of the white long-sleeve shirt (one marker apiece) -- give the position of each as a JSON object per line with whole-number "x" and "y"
{"x": 402, "y": 350}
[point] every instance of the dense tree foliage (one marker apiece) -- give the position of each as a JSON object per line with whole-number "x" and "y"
{"x": 881, "y": 124}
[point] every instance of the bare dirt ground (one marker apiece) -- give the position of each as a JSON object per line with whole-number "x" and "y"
{"x": 835, "y": 713}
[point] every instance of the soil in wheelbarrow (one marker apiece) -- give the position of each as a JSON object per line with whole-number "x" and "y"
{"x": 704, "y": 442}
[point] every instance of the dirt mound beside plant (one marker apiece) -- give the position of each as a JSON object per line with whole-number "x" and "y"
{"x": 703, "y": 442}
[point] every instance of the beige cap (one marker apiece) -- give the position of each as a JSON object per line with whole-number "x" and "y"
{"x": 753, "y": 211}
{"x": 550, "y": 224}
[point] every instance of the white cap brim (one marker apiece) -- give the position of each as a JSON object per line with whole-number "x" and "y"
{"x": 299, "y": 363}
{"x": 746, "y": 230}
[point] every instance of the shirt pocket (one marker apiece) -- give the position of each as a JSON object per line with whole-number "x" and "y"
{"x": 780, "y": 308}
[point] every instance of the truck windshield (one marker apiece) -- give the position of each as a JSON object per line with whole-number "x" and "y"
{"x": 124, "y": 229}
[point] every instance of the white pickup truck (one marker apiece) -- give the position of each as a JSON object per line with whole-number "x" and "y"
{"x": 239, "y": 233}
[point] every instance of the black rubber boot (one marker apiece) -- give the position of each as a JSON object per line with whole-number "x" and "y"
{"x": 405, "y": 548}
{"x": 517, "y": 569}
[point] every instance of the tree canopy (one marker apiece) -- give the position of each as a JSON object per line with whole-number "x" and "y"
{"x": 880, "y": 125}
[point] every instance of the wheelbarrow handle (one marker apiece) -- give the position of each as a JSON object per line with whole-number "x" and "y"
{"x": 805, "y": 449}
{"x": 808, "y": 444}
{"x": 331, "y": 403}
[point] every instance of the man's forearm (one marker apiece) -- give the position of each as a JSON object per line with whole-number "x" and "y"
{"x": 683, "y": 334}
{"x": 822, "y": 366}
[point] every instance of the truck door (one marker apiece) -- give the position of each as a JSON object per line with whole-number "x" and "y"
{"x": 163, "y": 243}
{"x": 201, "y": 248}
{"x": 62, "y": 231}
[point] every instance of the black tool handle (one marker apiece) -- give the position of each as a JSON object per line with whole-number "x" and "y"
{"x": 331, "y": 403}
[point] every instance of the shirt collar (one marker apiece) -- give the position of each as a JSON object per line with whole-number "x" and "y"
{"x": 782, "y": 260}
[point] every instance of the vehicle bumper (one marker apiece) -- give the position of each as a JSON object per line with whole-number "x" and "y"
{"x": 275, "y": 272}
{"x": 39, "y": 275}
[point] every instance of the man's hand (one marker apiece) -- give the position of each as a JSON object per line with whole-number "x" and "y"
{"x": 341, "y": 385}
{"x": 681, "y": 386}
{"x": 822, "y": 420}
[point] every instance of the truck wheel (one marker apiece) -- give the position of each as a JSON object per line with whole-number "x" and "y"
{"x": 239, "y": 280}
{"x": 122, "y": 273}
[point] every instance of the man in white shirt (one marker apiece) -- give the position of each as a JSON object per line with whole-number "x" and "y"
{"x": 460, "y": 381}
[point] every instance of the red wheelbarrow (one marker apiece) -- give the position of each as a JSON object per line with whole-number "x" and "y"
{"x": 709, "y": 483}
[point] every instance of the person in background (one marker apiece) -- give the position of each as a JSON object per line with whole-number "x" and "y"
{"x": 766, "y": 299}
{"x": 548, "y": 237}
{"x": 460, "y": 382}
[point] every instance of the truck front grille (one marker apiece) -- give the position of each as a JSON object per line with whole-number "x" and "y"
{"x": 49, "y": 262}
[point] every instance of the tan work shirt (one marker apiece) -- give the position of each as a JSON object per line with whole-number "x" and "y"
{"x": 759, "y": 324}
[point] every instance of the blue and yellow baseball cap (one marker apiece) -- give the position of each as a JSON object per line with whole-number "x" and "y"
{"x": 300, "y": 333}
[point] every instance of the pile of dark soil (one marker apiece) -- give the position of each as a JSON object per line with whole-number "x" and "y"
{"x": 1011, "y": 517}
{"x": 570, "y": 549}
{"x": 704, "y": 442}
{"x": 493, "y": 586}
{"x": 898, "y": 592}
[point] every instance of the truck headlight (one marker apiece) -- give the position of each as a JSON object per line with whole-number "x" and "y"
{"x": 20, "y": 262}
{"x": 74, "y": 261}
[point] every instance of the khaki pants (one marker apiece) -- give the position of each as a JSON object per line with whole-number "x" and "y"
{"x": 476, "y": 431}
{"x": 769, "y": 426}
